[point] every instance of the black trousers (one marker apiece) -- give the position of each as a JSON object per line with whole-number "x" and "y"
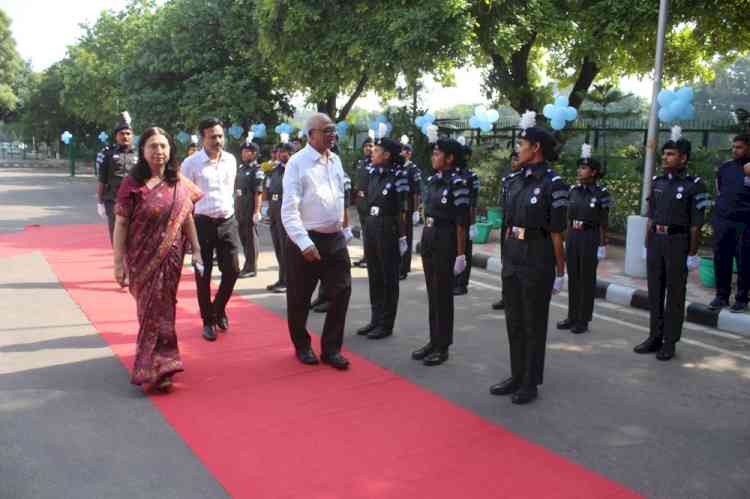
{"x": 249, "y": 238}
{"x": 279, "y": 239}
{"x": 363, "y": 215}
{"x": 406, "y": 258}
{"x": 666, "y": 266}
{"x": 730, "y": 242}
{"x": 109, "y": 208}
{"x": 528, "y": 275}
{"x": 383, "y": 263}
{"x": 462, "y": 279}
{"x": 220, "y": 235}
{"x": 438, "y": 258}
{"x": 333, "y": 272}
{"x": 580, "y": 254}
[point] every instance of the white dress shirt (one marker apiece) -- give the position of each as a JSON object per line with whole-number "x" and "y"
{"x": 216, "y": 179}
{"x": 313, "y": 195}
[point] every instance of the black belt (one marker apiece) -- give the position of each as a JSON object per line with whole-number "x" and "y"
{"x": 377, "y": 211}
{"x": 438, "y": 222}
{"x": 583, "y": 225}
{"x": 214, "y": 220}
{"x": 669, "y": 229}
{"x": 526, "y": 234}
{"x": 322, "y": 235}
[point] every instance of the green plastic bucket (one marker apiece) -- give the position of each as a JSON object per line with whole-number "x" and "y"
{"x": 706, "y": 272}
{"x": 495, "y": 217}
{"x": 483, "y": 233}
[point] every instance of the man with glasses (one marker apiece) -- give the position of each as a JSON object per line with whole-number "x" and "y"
{"x": 315, "y": 219}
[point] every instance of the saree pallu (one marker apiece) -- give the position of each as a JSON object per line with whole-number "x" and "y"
{"x": 155, "y": 249}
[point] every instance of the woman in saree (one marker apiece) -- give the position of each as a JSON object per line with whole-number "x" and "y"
{"x": 154, "y": 220}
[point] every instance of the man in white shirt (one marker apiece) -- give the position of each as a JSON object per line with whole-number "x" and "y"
{"x": 313, "y": 214}
{"x": 213, "y": 170}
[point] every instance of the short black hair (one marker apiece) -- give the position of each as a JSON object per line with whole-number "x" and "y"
{"x": 743, "y": 137}
{"x": 453, "y": 148}
{"x": 683, "y": 146}
{"x": 285, "y": 147}
{"x": 251, "y": 146}
{"x": 209, "y": 123}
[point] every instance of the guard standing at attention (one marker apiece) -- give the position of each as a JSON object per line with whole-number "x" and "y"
{"x": 248, "y": 199}
{"x": 275, "y": 193}
{"x": 362, "y": 171}
{"x": 533, "y": 260}
{"x": 509, "y": 187}
{"x": 676, "y": 212}
{"x": 414, "y": 174}
{"x": 588, "y": 217}
{"x": 446, "y": 209}
{"x": 385, "y": 239}
{"x": 472, "y": 182}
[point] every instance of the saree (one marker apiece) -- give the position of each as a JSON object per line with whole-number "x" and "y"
{"x": 155, "y": 248}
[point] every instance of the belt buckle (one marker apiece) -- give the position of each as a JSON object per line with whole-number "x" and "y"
{"x": 374, "y": 211}
{"x": 361, "y": 194}
{"x": 577, "y": 224}
{"x": 519, "y": 233}
{"x": 274, "y": 197}
{"x": 662, "y": 229}
{"x": 429, "y": 222}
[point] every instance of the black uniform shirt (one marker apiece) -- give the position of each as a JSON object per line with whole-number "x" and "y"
{"x": 115, "y": 166}
{"x": 472, "y": 181}
{"x": 542, "y": 200}
{"x": 447, "y": 197}
{"x": 347, "y": 190}
{"x": 511, "y": 186}
{"x": 363, "y": 171}
{"x": 589, "y": 203}
{"x": 275, "y": 186}
{"x": 733, "y": 191}
{"x": 414, "y": 174}
{"x": 387, "y": 191}
{"x": 678, "y": 199}
{"x": 249, "y": 181}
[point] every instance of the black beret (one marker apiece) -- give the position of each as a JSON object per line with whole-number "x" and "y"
{"x": 249, "y": 145}
{"x": 453, "y": 147}
{"x": 391, "y": 146}
{"x": 537, "y": 135}
{"x": 681, "y": 145}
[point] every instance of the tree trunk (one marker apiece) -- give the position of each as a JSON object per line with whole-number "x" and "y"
{"x": 586, "y": 76}
{"x": 328, "y": 106}
{"x": 344, "y": 112}
{"x": 511, "y": 77}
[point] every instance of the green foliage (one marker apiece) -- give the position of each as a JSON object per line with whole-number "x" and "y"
{"x": 10, "y": 65}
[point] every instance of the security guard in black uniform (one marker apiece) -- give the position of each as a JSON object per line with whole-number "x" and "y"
{"x": 275, "y": 193}
{"x": 363, "y": 171}
{"x": 248, "y": 198}
{"x": 533, "y": 263}
{"x": 731, "y": 224}
{"x": 115, "y": 165}
{"x": 385, "y": 239}
{"x": 472, "y": 182}
{"x": 676, "y": 212}
{"x": 446, "y": 210}
{"x": 588, "y": 219}
{"x": 509, "y": 187}
{"x": 414, "y": 175}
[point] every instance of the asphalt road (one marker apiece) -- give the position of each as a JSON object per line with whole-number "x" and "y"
{"x": 679, "y": 429}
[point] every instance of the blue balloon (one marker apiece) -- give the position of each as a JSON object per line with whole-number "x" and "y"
{"x": 419, "y": 121}
{"x": 103, "y": 137}
{"x": 235, "y": 131}
{"x": 429, "y": 117}
{"x": 558, "y": 124}
{"x": 558, "y": 114}
{"x": 561, "y": 101}
{"x": 342, "y": 127}
{"x": 664, "y": 115}
{"x": 485, "y": 126}
{"x": 689, "y": 112}
{"x": 425, "y": 127}
{"x": 685, "y": 94}
{"x": 548, "y": 110}
{"x": 473, "y": 122}
{"x": 570, "y": 113}
{"x": 183, "y": 137}
{"x": 259, "y": 130}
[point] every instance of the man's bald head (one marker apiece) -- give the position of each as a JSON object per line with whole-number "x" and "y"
{"x": 321, "y": 131}
{"x": 317, "y": 121}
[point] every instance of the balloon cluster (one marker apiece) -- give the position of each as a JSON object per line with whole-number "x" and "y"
{"x": 183, "y": 137}
{"x": 284, "y": 128}
{"x": 676, "y": 105}
{"x": 66, "y": 137}
{"x": 424, "y": 122}
{"x": 235, "y": 131}
{"x": 560, "y": 112}
{"x": 483, "y": 118}
{"x": 103, "y": 137}
{"x": 381, "y": 126}
{"x": 342, "y": 128}
{"x": 258, "y": 130}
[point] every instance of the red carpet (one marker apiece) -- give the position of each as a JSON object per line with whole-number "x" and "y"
{"x": 268, "y": 427}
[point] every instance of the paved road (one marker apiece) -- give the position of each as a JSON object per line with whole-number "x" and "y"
{"x": 668, "y": 430}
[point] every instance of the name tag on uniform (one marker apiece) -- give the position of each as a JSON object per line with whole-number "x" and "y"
{"x": 374, "y": 211}
{"x": 274, "y": 197}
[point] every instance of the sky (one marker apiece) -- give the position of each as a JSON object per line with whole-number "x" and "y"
{"x": 44, "y": 28}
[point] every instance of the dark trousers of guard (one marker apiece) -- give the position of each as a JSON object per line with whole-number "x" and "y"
{"x": 406, "y": 258}
{"x": 218, "y": 234}
{"x": 527, "y": 291}
{"x": 333, "y": 271}
{"x": 438, "y": 248}
{"x": 279, "y": 239}
{"x": 667, "y": 278}
{"x": 731, "y": 241}
{"x": 109, "y": 208}
{"x": 363, "y": 215}
{"x": 249, "y": 238}
{"x": 580, "y": 255}
{"x": 383, "y": 262}
{"x": 462, "y": 280}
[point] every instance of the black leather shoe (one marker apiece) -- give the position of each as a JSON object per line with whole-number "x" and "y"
{"x": 280, "y": 288}
{"x": 247, "y": 273}
{"x": 423, "y": 352}
{"x": 650, "y": 345}
{"x": 322, "y": 308}
{"x": 498, "y": 305}
{"x": 507, "y": 387}
{"x": 460, "y": 290}
{"x": 565, "y": 324}
{"x": 580, "y": 328}
{"x": 666, "y": 351}
{"x": 222, "y": 323}
{"x": 718, "y": 303}
{"x": 401, "y": 277}
{"x": 335, "y": 360}
{"x": 524, "y": 395}
{"x": 307, "y": 357}
{"x": 436, "y": 357}
{"x": 271, "y": 287}
{"x": 738, "y": 307}
{"x": 209, "y": 333}
{"x": 379, "y": 333}
{"x": 364, "y": 330}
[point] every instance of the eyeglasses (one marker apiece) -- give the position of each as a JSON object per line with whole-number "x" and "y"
{"x": 327, "y": 130}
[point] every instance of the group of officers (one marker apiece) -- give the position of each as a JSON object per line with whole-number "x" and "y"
{"x": 547, "y": 227}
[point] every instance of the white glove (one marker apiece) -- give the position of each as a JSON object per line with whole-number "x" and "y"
{"x": 644, "y": 253}
{"x": 257, "y": 217}
{"x": 347, "y": 231}
{"x": 403, "y": 245}
{"x": 460, "y": 264}
{"x": 415, "y": 217}
{"x": 100, "y": 210}
{"x": 472, "y": 232}
{"x": 559, "y": 282}
{"x": 264, "y": 211}
{"x": 601, "y": 253}
{"x": 693, "y": 262}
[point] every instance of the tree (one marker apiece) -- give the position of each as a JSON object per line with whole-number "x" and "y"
{"x": 728, "y": 92}
{"x": 10, "y": 65}
{"x": 330, "y": 48}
